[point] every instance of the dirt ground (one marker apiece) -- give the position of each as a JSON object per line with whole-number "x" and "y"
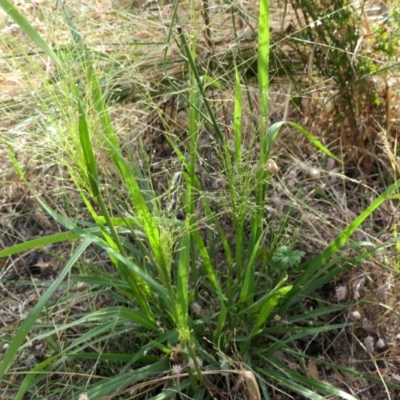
{"x": 371, "y": 344}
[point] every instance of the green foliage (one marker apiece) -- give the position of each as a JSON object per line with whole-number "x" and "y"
{"x": 386, "y": 35}
{"x": 183, "y": 312}
{"x": 333, "y": 26}
{"x": 287, "y": 257}
{"x": 344, "y": 50}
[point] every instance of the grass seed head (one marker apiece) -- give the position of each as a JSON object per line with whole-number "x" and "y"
{"x": 177, "y": 369}
{"x": 271, "y": 167}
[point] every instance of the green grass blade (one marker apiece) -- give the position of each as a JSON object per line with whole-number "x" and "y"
{"x": 110, "y": 142}
{"x": 263, "y": 84}
{"x": 212, "y": 276}
{"x": 182, "y": 297}
{"x": 247, "y": 290}
{"x": 135, "y": 222}
{"x": 39, "y": 242}
{"x": 116, "y": 316}
{"x": 269, "y": 304}
{"x": 284, "y": 380}
{"x": 237, "y": 120}
{"x": 161, "y": 290}
{"x": 291, "y": 379}
{"x": 130, "y": 267}
{"x": 87, "y": 151}
{"x": 186, "y": 50}
{"x": 263, "y": 64}
{"x": 106, "y": 387}
{"x": 32, "y": 33}
{"x": 314, "y": 141}
{"x": 274, "y": 130}
{"x": 28, "y": 322}
{"x": 30, "y": 377}
{"x": 297, "y": 333}
{"x": 147, "y": 222}
{"x": 344, "y": 236}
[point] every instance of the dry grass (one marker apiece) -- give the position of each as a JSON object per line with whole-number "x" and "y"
{"x": 132, "y": 45}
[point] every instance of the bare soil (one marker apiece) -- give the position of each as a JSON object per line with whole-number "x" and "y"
{"x": 334, "y": 194}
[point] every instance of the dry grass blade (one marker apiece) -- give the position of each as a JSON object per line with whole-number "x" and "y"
{"x": 159, "y": 118}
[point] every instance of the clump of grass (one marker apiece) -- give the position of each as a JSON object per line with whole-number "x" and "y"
{"x": 179, "y": 320}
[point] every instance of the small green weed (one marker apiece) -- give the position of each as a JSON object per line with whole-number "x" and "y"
{"x": 184, "y": 322}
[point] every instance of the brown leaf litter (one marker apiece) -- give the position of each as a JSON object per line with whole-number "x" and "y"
{"x": 333, "y": 194}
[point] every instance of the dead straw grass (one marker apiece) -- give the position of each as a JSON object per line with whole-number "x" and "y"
{"x": 131, "y": 48}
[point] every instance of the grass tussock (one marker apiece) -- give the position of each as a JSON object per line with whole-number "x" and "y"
{"x": 182, "y": 212}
